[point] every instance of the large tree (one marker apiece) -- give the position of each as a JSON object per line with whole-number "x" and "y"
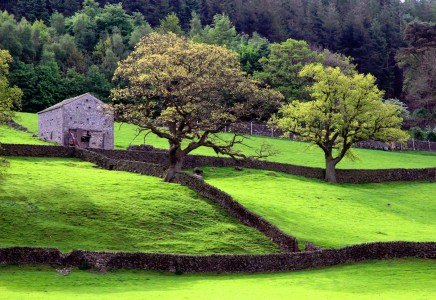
{"x": 10, "y": 97}
{"x": 418, "y": 61}
{"x": 282, "y": 65}
{"x": 186, "y": 91}
{"x": 345, "y": 110}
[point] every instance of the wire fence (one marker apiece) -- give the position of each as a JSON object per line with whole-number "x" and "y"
{"x": 262, "y": 129}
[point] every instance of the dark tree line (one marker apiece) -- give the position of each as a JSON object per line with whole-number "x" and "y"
{"x": 62, "y": 47}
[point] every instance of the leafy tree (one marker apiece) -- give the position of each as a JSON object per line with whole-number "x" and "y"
{"x": 170, "y": 24}
{"x": 194, "y": 89}
{"x": 8, "y": 34}
{"x": 282, "y": 66}
{"x": 25, "y": 38}
{"x": 10, "y": 96}
{"x": 83, "y": 28}
{"x": 97, "y": 83}
{"x": 23, "y": 75}
{"x": 114, "y": 18}
{"x": 195, "y": 27}
{"x": 222, "y": 32}
{"x": 139, "y": 32}
{"x": 57, "y": 22}
{"x": 32, "y": 10}
{"x": 48, "y": 81}
{"x": 418, "y": 62}
{"x": 251, "y": 50}
{"x": 345, "y": 110}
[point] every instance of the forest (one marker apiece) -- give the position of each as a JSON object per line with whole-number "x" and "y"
{"x": 62, "y": 48}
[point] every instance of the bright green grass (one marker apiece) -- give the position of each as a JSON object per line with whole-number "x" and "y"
{"x": 391, "y": 279}
{"x": 28, "y": 120}
{"x": 9, "y": 135}
{"x": 70, "y": 204}
{"x": 292, "y": 152}
{"x": 334, "y": 215}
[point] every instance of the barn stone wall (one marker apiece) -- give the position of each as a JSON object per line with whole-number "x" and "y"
{"x": 90, "y": 114}
{"x": 85, "y": 115}
{"x": 50, "y": 126}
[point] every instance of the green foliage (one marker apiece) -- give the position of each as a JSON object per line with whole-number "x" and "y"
{"x": 113, "y": 17}
{"x": 282, "y": 66}
{"x": 417, "y": 61}
{"x": 170, "y": 24}
{"x": 222, "y": 32}
{"x": 251, "y": 50}
{"x": 10, "y": 96}
{"x": 197, "y": 89}
{"x": 345, "y": 110}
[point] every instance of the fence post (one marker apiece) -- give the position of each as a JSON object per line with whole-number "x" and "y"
{"x": 251, "y": 128}
{"x": 272, "y": 132}
{"x": 413, "y": 144}
{"x": 225, "y": 128}
{"x": 429, "y": 146}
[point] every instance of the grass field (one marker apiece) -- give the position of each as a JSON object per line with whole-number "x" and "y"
{"x": 293, "y": 152}
{"x": 70, "y": 204}
{"x": 334, "y": 215}
{"x": 11, "y": 136}
{"x": 392, "y": 279}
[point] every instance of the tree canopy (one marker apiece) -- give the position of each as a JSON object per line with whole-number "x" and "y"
{"x": 10, "y": 97}
{"x": 344, "y": 110}
{"x": 186, "y": 91}
{"x": 418, "y": 61}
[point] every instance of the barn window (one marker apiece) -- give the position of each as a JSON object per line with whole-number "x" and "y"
{"x": 86, "y": 138}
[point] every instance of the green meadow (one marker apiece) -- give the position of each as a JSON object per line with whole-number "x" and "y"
{"x": 331, "y": 215}
{"x": 390, "y": 279}
{"x": 70, "y": 204}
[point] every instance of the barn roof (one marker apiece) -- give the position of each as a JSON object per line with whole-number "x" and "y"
{"x": 67, "y": 101}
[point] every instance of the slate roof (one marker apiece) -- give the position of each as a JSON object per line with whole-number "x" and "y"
{"x": 65, "y": 102}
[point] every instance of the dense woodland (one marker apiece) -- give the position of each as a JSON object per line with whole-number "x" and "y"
{"x": 62, "y": 48}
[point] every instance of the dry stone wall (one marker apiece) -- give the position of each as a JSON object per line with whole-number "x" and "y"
{"x": 160, "y": 158}
{"x": 105, "y": 261}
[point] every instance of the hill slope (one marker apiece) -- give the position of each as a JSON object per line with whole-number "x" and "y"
{"x": 69, "y": 204}
{"x": 334, "y": 215}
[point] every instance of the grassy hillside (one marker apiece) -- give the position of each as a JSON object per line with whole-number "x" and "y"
{"x": 334, "y": 215}
{"x": 289, "y": 151}
{"x": 11, "y": 136}
{"x": 69, "y": 204}
{"x": 392, "y": 279}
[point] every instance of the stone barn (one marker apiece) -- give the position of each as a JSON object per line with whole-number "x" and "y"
{"x": 83, "y": 121}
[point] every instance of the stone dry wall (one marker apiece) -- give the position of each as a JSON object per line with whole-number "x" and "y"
{"x": 105, "y": 261}
{"x": 160, "y": 158}
{"x": 343, "y": 175}
{"x": 36, "y": 150}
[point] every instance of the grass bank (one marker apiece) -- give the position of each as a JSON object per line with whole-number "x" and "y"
{"x": 392, "y": 279}
{"x": 334, "y": 215}
{"x": 70, "y": 204}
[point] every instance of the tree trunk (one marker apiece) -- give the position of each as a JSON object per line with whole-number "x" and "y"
{"x": 330, "y": 169}
{"x": 176, "y": 156}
